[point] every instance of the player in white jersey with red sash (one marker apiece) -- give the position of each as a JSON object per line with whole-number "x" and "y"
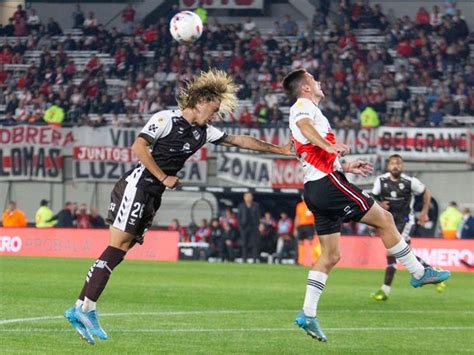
{"x": 333, "y": 200}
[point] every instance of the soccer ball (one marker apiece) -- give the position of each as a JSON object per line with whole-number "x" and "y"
{"x": 186, "y": 27}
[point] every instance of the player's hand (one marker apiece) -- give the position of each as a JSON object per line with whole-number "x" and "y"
{"x": 423, "y": 218}
{"x": 171, "y": 182}
{"x": 287, "y": 149}
{"x": 339, "y": 149}
{"x": 359, "y": 167}
{"x": 385, "y": 204}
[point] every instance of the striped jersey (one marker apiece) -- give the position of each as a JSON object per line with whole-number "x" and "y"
{"x": 315, "y": 161}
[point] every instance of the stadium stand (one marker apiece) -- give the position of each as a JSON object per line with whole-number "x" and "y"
{"x": 404, "y": 69}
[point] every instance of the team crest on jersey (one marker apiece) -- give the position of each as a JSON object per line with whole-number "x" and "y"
{"x": 196, "y": 135}
{"x": 186, "y": 146}
{"x": 401, "y": 186}
{"x": 385, "y": 185}
{"x": 153, "y": 128}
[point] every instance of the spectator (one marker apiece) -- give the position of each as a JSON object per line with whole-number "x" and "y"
{"x": 9, "y": 28}
{"x": 54, "y": 115}
{"x": 78, "y": 17}
{"x": 82, "y": 217}
{"x": 319, "y": 20}
{"x": 435, "y": 117}
{"x": 176, "y": 226}
{"x": 246, "y": 118}
{"x": 19, "y": 14}
{"x": 466, "y": 228}
{"x": 450, "y": 220}
{"x": 128, "y": 14}
{"x": 285, "y": 238}
{"x": 369, "y": 118}
{"x": 423, "y": 19}
{"x": 304, "y": 221}
{"x": 53, "y": 28}
{"x": 33, "y": 21}
{"x": 289, "y": 27}
{"x": 96, "y": 220}
{"x": 249, "y": 25}
{"x": 66, "y": 217}
{"x": 203, "y": 233}
{"x": 216, "y": 240}
{"x": 44, "y": 216}
{"x": 13, "y": 217}
{"x": 90, "y": 25}
{"x": 249, "y": 217}
{"x": 201, "y": 12}
{"x": 230, "y": 238}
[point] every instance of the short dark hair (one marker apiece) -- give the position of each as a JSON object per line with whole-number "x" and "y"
{"x": 393, "y": 156}
{"x": 292, "y": 81}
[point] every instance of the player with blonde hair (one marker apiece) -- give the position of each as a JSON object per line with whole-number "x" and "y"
{"x": 164, "y": 144}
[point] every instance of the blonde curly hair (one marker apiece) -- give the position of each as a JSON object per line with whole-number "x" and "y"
{"x": 209, "y": 86}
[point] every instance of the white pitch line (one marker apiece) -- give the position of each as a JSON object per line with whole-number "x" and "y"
{"x": 186, "y": 313}
{"x": 242, "y": 330}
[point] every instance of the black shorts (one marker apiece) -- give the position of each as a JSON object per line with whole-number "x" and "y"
{"x": 405, "y": 227}
{"x": 305, "y": 231}
{"x": 333, "y": 200}
{"x": 132, "y": 209}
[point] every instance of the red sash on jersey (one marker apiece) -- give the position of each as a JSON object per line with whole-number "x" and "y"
{"x": 315, "y": 156}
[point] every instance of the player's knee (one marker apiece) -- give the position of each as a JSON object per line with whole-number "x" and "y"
{"x": 386, "y": 219}
{"x": 332, "y": 259}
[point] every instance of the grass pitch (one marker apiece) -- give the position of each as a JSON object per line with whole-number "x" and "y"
{"x": 201, "y": 308}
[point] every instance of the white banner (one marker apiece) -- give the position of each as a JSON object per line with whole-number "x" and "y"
{"x": 246, "y": 170}
{"x": 424, "y": 143}
{"x": 222, "y": 4}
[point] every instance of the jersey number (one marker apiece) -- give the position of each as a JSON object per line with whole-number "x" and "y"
{"x": 137, "y": 211}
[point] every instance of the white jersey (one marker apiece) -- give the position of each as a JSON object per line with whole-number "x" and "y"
{"x": 316, "y": 162}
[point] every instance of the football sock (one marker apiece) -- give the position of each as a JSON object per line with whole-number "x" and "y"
{"x": 78, "y": 303}
{"x": 99, "y": 273}
{"x": 390, "y": 270}
{"x": 386, "y": 289}
{"x": 405, "y": 256}
{"x": 314, "y": 288}
{"x": 425, "y": 265}
{"x": 88, "y": 305}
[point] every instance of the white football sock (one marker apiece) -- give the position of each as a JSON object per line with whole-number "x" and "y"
{"x": 78, "y": 303}
{"x": 386, "y": 289}
{"x": 88, "y": 305}
{"x": 405, "y": 256}
{"x": 314, "y": 288}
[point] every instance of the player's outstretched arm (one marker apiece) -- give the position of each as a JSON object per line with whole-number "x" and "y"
{"x": 315, "y": 138}
{"x": 141, "y": 149}
{"x": 252, "y": 143}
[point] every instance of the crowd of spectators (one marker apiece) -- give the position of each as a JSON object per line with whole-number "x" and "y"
{"x": 430, "y": 51}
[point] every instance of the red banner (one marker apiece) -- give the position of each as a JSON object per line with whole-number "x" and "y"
{"x": 82, "y": 243}
{"x": 369, "y": 253}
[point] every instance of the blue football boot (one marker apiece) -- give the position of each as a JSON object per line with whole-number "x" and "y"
{"x": 91, "y": 321}
{"x": 431, "y": 276}
{"x": 311, "y": 326}
{"x": 70, "y": 315}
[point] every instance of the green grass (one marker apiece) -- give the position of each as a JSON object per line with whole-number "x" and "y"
{"x": 229, "y": 308}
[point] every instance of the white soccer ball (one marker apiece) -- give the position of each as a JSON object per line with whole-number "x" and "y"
{"x": 186, "y": 27}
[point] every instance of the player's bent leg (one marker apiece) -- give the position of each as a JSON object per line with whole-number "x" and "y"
{"x": 97, "y": 278}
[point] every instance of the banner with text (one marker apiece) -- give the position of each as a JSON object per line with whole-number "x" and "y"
{"x": 222, "y": 4}
{"x": 244, "y": 169}
{"x": 424, "y": 143}
{"x": 32, "y": 153}
{"x": 82, "y": 243}
{"x": 106, "y": 163}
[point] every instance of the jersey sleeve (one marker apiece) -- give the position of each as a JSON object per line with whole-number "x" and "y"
{"x": 417, "y": 186}
{"x": 214, "y": 135}
{"x": 302, "y": 109}
{"x": 159, "y": 125}
{"x": 377, "y": 188}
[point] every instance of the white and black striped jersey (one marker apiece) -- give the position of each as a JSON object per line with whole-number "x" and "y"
{"x": 172, "y": 141}
{"x": 400, "y": 194}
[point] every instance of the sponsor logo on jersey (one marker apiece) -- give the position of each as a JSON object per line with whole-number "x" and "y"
{"x": 401, "y": 186}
